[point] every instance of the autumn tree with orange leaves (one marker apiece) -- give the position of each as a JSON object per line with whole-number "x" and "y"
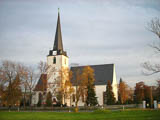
{"x": 88, "y": 81}
{"x": 124, "y": 92}
{"x": 10, "y": 82}
{"x": 65, "y": 88}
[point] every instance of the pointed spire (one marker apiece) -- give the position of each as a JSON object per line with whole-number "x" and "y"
{"x": 58, "y": 45}
{"x": 58, "y": 10}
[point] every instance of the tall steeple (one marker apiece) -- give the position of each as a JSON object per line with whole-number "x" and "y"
{"x": 58, "y": 44}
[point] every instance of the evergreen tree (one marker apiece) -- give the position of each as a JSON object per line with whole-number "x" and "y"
{"x": 109, "y": 94}
{"x": 59, "y": 97}
{"x": 88, "y": 81}
{"x": 39, "y": 100}
{"x": 91, "y": 97}
{"x": 49, "y": 99}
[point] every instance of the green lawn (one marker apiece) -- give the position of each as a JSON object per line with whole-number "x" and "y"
{"x": 99, "y": 115}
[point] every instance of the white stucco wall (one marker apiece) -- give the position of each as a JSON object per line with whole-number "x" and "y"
{"x": 99, "y": 89}
{"x": 114, "y": 84}
{"x": 61, "y": 61}
{"x": 80, "y": 103}
{"x": 35, "y": 97}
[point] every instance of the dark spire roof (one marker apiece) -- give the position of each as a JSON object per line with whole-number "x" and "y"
{"x": 58, "y": 44}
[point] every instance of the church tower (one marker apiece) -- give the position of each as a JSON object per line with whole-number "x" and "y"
{"x": 57, "y": 58}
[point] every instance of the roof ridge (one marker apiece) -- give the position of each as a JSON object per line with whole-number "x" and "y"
{"x": 93, "y": 65}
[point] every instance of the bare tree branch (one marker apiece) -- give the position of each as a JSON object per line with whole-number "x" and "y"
{"x": 154, "y": 26}
{"x": 150, "y": 68}
{"x": 153, "y": 68}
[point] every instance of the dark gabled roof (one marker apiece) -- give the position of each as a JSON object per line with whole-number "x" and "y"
{"x": 102, "y": 73}
{"x": 58, "y": 44}
{"x": 42, "y": 83}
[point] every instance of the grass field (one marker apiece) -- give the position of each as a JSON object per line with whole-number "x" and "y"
{"x": 97, "y": 115}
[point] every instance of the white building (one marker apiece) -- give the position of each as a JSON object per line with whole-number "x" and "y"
{"x": 58, "y": 58}
{"x": 102, "y": 74}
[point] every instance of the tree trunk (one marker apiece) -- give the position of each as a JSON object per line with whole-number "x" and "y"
{"x": 24, "y": 101}
{"x": 30, "y": 98}
{"x": 70, "y": 101}
{"x": 76, "y": 108}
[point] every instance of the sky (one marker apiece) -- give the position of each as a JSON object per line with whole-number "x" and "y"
{"x": 93, "y": 32}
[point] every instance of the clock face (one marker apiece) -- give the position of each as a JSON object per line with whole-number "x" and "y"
{"x": 54, "y": 52}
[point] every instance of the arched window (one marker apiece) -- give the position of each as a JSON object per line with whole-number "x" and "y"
{"x": 54, "y": 60}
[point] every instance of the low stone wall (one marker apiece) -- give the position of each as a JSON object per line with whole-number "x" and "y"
{"x": 112, "y": 107}
{"x": 67, "y": 109}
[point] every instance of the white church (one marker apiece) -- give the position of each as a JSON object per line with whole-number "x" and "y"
{"x": 58, "y": 59}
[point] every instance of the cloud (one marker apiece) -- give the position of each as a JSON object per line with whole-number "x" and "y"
{"x": 94, "y": 32}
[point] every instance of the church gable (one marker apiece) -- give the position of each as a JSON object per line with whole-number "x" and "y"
{"x": 42, "y": 83}
{"x": 103, "y": 73}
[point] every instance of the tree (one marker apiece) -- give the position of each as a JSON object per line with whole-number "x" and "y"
{"x": 24, "y": 78}
{"x": 88, "y": 81}
{"x": 2, "y": 86}
{"x": 9, "y": 73}
{"x": 91, "y": 96}
{"x": 45, "y": 74}
{"x": 59, "y": 97}
{"x": 65, "y": 86}
{"x": 154, "y": 26}
{"x": 42, "y": 67}
{"x": 13, "y": 92}
{"x": 139, "y": 92}
{"x": 148, "y": 97}
{"x": 109, "y": 94}
{"x": 69, "y": 87}
{"x": 40, "y": 99}
{"x": 1, "y": 94}
{"x": 158, "y": 90}
{"x": 152, "y": 68}
{"x": 80, "y": 88}
{"x": 63, "y": 78}
{"x": 143, "y": 92}
{"x": 123, "y": 91}
{"x": 49, "y": 99}
{"x": 31, "y": 81}
{"x": 130, "y": 95}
